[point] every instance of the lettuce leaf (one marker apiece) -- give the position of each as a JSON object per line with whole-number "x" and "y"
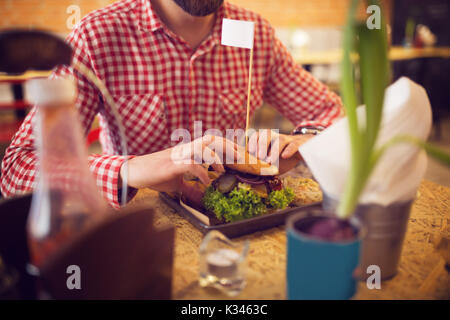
{"x": 280, "y": 199}
{"x": 242, "y": 203}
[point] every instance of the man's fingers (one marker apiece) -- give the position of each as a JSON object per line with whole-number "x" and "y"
{"x": 231, "y": 150}
{"x": 209, "y": 149}
{"x": 226, "y": 150}
{"x": 210, "y": 157}
{"x": 290, "y": 150}
{"x": 200, "y": 172}
{"x": 277, "y": 145}
{"x": 253, "y": 143}
{"x": 263, "y": 145}
{"x": 205, "y": 140}
{"x": 267, "y": 139}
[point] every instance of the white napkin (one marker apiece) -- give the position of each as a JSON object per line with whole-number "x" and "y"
{"x": 407, "y": 111}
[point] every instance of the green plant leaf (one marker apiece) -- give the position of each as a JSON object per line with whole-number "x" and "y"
{"x": 348, "y": 93}
{"x": 374, "y": 70}
{"x": 375, "y": 74}
{"x": 436, "y": 153}
{"x": 432, "y": 150}
{"x": 348, "y": 90}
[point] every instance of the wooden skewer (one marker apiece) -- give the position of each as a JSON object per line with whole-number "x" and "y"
{"x": 247, "y": 124}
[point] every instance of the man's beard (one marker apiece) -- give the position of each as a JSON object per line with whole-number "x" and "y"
{"x": 199, "y": 8}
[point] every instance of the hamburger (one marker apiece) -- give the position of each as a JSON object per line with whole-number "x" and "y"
{"x": 245, "y": 190}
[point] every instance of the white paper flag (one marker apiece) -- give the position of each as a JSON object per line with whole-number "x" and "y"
{"x": 238, "y": 33}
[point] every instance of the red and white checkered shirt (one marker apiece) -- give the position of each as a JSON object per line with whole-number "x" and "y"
{"x": 160, "y": 85}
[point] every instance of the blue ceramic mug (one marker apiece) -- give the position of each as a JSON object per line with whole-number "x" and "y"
{"x": 318, "y": 269}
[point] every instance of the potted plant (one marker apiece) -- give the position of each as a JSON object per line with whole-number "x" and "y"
{"x": 323, "y": 248}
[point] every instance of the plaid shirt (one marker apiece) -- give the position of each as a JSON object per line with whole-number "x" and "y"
{"x": 160, "y": 85}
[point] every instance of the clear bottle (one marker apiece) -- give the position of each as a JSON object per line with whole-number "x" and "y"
{"x": 66, "y": 199}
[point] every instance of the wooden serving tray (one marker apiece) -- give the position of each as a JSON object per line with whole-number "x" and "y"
{"x": 238, "y": 228}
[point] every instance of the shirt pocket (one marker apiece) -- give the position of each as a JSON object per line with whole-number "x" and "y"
{"x": 233, "y": 107}
{"x": 144, "y": 117}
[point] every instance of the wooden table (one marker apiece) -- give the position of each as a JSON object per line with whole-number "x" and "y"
{"x": 421, "y": 273}
{"x": 396, "y": 53}
{"x": 26, "y": 76}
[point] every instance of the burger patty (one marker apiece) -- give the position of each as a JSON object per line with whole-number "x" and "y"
{"x": 271, "y": 182}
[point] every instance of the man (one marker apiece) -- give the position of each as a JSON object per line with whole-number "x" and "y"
{"x": 164, "y": 65}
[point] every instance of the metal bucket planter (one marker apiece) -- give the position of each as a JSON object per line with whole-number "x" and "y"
{"x": 386, "y": 229}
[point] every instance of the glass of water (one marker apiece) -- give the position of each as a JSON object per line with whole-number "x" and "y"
{"x": 223, "y": 263}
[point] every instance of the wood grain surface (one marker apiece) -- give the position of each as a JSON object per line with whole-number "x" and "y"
{"x": 421, "y": 273}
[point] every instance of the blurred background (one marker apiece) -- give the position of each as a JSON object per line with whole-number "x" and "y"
{"x": 311, "y": 30}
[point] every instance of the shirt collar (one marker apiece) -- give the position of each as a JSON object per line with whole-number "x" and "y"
{"x": 217, "y": 28}
{"x": 150, "y": 21}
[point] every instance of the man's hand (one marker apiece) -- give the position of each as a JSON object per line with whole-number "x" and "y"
{"x": 270, "y": 147}
{"x": 164, "y": 170}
